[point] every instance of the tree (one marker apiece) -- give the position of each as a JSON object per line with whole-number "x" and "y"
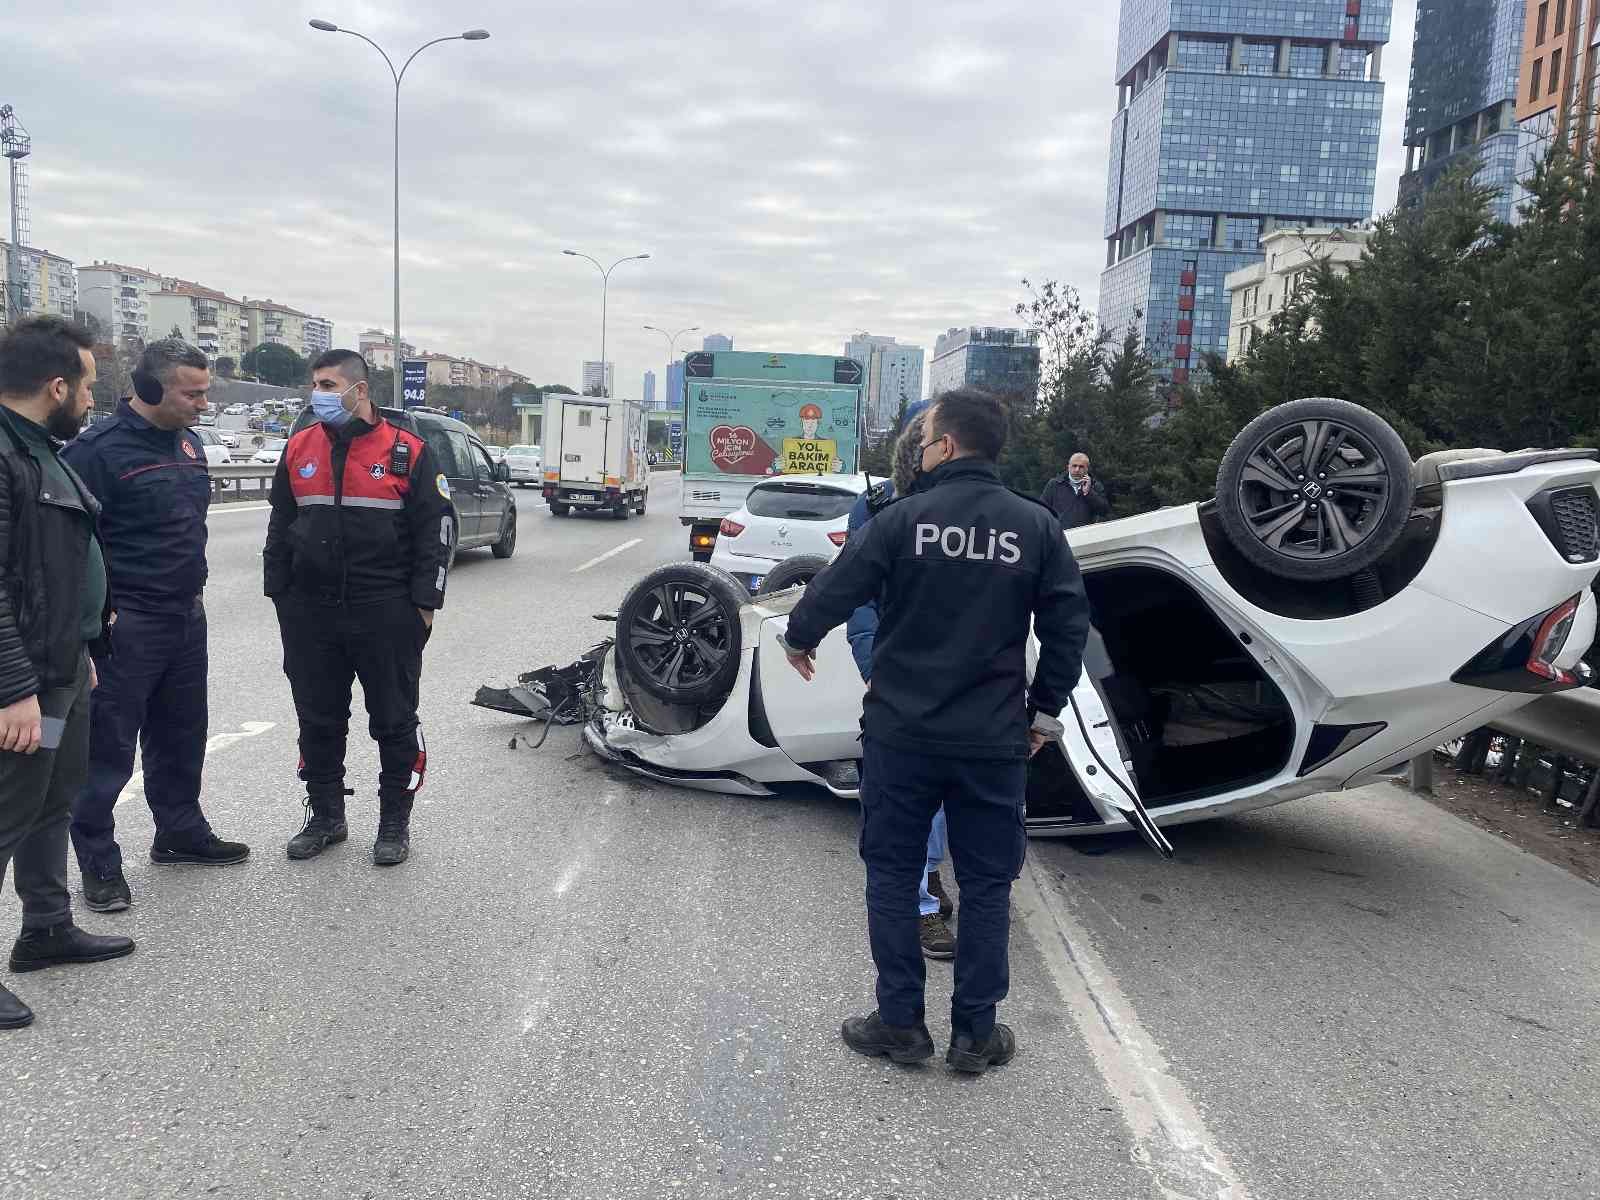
{"x": 277, "y": 365}
{"x": 226, "y": 367}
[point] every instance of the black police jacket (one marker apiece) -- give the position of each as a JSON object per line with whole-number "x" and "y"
{"x": 359, "y": 514}
{"x": 959, "y": 569}
{"x": 154, "y": 487}
{"x": 44, "y": 551}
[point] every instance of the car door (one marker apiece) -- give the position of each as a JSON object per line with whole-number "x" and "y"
{"x": 493, "y": 496}
{"x": 464, "y": 489}
{"x": 813, "y": 722}
{"x": 443, "y": 452}
{"x": 1094, "y": 747}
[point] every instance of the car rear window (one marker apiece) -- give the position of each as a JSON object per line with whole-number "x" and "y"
{"x": 799, "y": 502}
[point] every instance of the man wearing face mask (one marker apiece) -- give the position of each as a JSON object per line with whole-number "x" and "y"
{"x": 148, "y": 471}
{"x": 961, "y": 570}
{"x": 357, "y": 551}
{"x": 54, "y": 604}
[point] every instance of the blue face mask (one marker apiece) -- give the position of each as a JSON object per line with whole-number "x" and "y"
{"x": 329, "y": 406}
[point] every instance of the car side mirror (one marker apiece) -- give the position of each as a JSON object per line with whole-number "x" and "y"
{"x": 502, "y": 472}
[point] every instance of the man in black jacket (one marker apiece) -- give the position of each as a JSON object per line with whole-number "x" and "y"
{"x": 960, "y": 569}
{"x": 1075, "y": 497}
{"x": 358, "y": 546}
{"x": 54, "y": 604}
{"x": 147, "y": 469}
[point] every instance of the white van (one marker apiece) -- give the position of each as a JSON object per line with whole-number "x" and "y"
{"x": 594, "y": 455}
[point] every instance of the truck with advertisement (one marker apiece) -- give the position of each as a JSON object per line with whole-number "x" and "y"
{"x": 594, "y": 455}
{"x": 750, "y": 416}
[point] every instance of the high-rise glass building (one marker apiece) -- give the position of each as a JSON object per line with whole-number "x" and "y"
{"x": 1003, "y": 361}
{"x": 717, "y": 341}
{"x": 1558, "y": 85}
{"x": 1234, "y": 117}
{"x": 1462, "y": 105}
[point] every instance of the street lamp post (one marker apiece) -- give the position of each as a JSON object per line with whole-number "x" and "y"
{"x": 672, "y": 353}
{"x": 471, "y": 35}
{"x": 605, "y": 284}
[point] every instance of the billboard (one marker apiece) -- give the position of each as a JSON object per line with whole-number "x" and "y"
{"x": 740, "y": 428}
{"x": 414, "y": 381}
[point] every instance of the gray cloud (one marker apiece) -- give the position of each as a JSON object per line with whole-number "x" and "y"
{"x": 797, "y": 171}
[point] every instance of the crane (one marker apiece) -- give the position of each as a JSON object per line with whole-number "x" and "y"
{"x": 15, "y": 145}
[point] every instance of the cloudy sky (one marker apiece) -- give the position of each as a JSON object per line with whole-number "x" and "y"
{"x": 797, "y": 172}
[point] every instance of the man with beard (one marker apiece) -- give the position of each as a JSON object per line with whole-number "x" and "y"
{"x": 56, "y": 604}
{"x": 148, "y": 471}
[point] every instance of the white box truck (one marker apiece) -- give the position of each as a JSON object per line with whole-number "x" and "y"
{"x": 748, "y": 417}
{"x": 594, "y": 455}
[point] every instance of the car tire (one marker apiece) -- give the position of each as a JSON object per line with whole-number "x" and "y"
{"x": 678, "y": 635}
{"x": 560, "y": 510}
{"x": 1319, "y": 520}
{"x": 620, "y": 512}
{"x": 643, "y": 501}
{"x": 506, "y": 544}
{"x": 792, "y": 572}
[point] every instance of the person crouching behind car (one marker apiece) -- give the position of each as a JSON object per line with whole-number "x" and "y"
{"x": 358, "y": 546}
{"x": 960, "y": 570}
{"x": 862, "y": 629}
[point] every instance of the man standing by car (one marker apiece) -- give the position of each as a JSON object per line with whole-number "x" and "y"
{"x": 960, "y": 569}
{"x": 933, "y": 905}
{"x": 1075, "y": 497}
{"x": 148, "y": 471}
{"x": 54, "y": 604}
{"x": 358, "y": 546}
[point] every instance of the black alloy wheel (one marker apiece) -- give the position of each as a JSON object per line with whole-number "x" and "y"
{"x": 506, "y": 545}
{"x": 678, "y": 633}
{"x": 1315, "y": 490}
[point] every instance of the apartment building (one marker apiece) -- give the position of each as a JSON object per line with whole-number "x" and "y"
{"x": 1558, "y": 90}
{"x": 269, "y": 321}
{"x": 1257, "y": 293}
{"x": 44, "y": 282}
{"x": 119, "y": 298}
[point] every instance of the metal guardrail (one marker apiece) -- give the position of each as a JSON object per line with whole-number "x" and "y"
{"x": 232, "y": 478}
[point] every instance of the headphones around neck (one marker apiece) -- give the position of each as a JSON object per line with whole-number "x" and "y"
{"x": 146, "y": 386}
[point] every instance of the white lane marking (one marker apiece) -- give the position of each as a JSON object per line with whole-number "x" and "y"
{"x": 220, "y": 741}
{"x": 1170, "y": 1138}
{"x": 233, "y": 508}
{"x": 612, "y": 553}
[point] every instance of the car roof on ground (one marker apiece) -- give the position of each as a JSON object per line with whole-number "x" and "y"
{"x": 839, "y": 483}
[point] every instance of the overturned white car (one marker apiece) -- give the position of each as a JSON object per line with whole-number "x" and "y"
{"x": 1333, "y": 612}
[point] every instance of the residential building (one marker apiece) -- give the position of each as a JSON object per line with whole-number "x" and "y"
{"x": 1234, "y": 117}
{"x": 1462, "y": 105}
{"x": 119, "y": 298}
{"x": 1257, "y": 293}
{"x": 672, "y": 398}
{"x": 717, "y": 341}
{"x": 1558, "y": 89}
{"x": 1003, "y": 361}
{"x": 593, "y": 378}
{"x": 377, "y": 347}
{"x": 649, "y": 389}
{"x": 893, "y": 376}
{"x": 44, "y": 283}
{"x": 281, "y": 325}
{"x": 208, "y": 319}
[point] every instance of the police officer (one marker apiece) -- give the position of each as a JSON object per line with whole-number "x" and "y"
{"x": 959, "y": 568}
{"x": 148, "y": 471}
{"x": 358, "y": 545}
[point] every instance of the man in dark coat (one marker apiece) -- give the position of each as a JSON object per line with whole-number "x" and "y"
{"x": 1075, "y": 497}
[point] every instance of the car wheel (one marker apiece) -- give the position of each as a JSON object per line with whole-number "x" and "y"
{"x": 560, "y": 510}
{"x": 1315, "y": 489}
{"x": 643, "y": 500}
{"x": 506, "y": 544}
{"x": 620, "y": 512}
{"x": 678, "y": 633}
{"x": 792, "y": 572}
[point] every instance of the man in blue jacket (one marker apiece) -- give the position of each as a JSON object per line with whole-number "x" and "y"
{"x": 862, "y": 630}
{"x": 962, "y": 570}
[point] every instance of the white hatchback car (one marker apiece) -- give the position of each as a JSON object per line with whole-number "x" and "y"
{"x": 217, "y": 451}
{"x": 526, "y": 463}
{"x": 784, "y": 517}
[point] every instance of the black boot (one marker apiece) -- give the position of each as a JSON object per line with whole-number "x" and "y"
{"x": 105, "y": 889}
{"x": 62, "y": 944}
{"x": 870, "y": 1036}
{"x": 14, "y": 1014}
{"x": 324, "y": 827}
{"x": 968, "y": 1054}
{"x": 394, "y": 834}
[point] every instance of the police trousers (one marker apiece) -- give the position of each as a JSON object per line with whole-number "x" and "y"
{"x": 983, "y": 804}
{"x": 327, "y": 648}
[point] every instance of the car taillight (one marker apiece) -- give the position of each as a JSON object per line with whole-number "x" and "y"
{"x": 731, "y": 529}
{"x": 1551, "y": 640}
{"x": 702, "y": 541}
{"x": 839, "y": 536}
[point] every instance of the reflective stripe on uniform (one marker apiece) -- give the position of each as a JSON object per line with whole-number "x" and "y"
{"x": 302, "y": 501}
{"x": 370, "y": 502}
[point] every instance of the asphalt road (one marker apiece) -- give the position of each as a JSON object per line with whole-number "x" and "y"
{"x": 587, "y": 986}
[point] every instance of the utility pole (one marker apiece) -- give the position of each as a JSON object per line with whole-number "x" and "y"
{"x": 16, "y": 145}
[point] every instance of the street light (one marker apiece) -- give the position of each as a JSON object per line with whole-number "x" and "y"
{"x": 605, "y": 283}
{"x": 672, "y": 353}
{"x": 471, "y": 35}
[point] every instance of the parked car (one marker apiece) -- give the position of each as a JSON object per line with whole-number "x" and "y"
{"x": 527, "y": 465}
{"x": 480, "y": 489}
{"x": 270, "y": 451}
{"x": 1313, "y": 627}
{"x": 785, "y": 517}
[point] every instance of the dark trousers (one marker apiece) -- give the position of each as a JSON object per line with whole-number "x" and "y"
{"x": 983, "y": 800}
{"x": 36, "y": 795}
{"x": 152, "y": 695}
{"x": 325, "y": 649}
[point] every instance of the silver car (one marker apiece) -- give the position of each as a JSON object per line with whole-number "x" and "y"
{"x": 527, "y": 465}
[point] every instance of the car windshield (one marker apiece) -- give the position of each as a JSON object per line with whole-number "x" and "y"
{"x": 799, "y": 502}
{"x": 523, "y": 452}
{"x": 274, "y": 443}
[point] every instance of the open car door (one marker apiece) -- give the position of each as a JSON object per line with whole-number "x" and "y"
{"x": 1094, "y": 747}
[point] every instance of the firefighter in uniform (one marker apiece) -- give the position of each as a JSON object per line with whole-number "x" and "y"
{"x": 358, "y": 545}
{"x": 959, "y": 568}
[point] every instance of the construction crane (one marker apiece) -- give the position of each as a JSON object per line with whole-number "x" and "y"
{"x": 16, "y": 145}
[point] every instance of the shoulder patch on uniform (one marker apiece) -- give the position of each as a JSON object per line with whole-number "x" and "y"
{"x": 442, "y": 484}
{"x": 188, "y": 448}
{"x": 308, "y": 469}
{"x": 378, "y": 470}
